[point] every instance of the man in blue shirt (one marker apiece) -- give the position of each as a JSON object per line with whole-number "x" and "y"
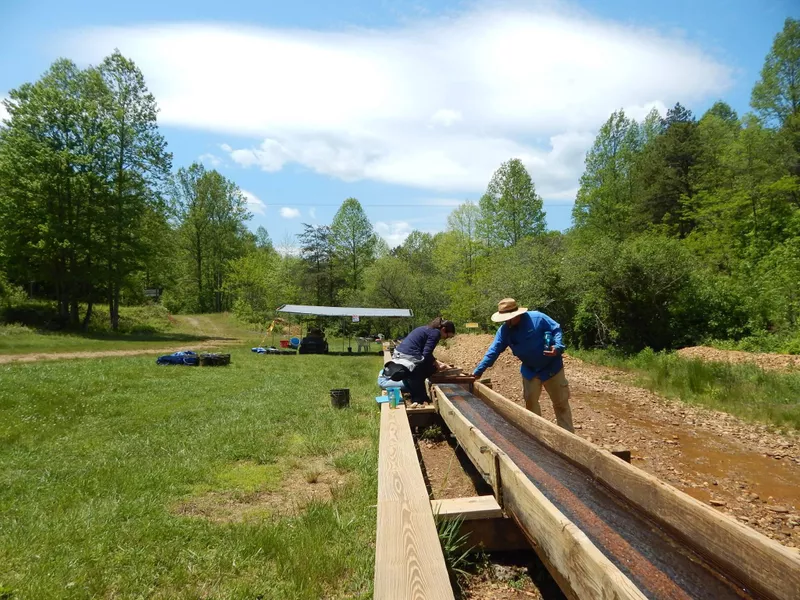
{"x": 535, "y": 339}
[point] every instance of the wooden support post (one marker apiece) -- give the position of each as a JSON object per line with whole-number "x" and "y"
{"x": 622, "y": 453}
{"x": 483, "y": 522}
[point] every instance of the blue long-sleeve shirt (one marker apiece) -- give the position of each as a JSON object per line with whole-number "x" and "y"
{"x": 526, "y": 341}
{"x": 420, "y": 342}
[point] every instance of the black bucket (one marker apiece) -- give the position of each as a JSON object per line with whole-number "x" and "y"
{"x": 340, "y": 398}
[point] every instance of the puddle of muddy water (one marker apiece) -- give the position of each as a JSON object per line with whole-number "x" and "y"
{"x": 711, "y": 456}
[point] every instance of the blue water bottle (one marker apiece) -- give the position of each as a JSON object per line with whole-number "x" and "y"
{"x": 548, "y": 340}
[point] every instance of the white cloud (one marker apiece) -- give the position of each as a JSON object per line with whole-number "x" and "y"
{"x": 289, "y": 213}
{"x": 446, "y": 117}
{"x": 254, "y": 203}
{"x": 312, "y": 212}
{"x": 394, "y": 232}
{"x": 435, "y": 104}
{"x": 225, "y": 148}
{"x": 210, "y": 159}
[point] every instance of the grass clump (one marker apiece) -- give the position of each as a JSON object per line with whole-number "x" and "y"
{"x": 432, "y": 433}
{"x": 744, "y": 390}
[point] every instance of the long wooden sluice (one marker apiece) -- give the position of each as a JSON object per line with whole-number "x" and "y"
{"x": 603, "y": 528}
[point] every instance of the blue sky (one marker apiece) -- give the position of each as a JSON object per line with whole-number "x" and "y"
{"x": 408, "y": 106}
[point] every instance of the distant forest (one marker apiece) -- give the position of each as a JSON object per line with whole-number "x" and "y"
{"x": 686, "y": 228}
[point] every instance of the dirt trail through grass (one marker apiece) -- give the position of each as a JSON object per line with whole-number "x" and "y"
{"x": 37, "y": 356}
{"x": 203, "y": 332}
{"x": 745, "y": 469}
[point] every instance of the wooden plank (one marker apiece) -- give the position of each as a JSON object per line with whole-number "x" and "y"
{"x": 580, "y": 569}
{"x": 475, "y": 444}
{"x": 409, "y": 562}
{"x": 469, "y": 509}
{"x": 756, "y": 561}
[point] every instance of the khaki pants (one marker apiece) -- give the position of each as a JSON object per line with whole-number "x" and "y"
{"x": 558, "y": 390}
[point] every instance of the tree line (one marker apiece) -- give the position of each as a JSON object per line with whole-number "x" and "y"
{"x": 684, "y": 229}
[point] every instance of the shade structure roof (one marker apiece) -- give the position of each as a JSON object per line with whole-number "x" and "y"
{"x": 344, "y": 311}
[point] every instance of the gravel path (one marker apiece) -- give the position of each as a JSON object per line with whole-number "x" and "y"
{"x": 744, "y": 469}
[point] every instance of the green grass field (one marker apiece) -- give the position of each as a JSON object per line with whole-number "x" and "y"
{"x": 121, "y": 479}
{"x": 744, "y": 390}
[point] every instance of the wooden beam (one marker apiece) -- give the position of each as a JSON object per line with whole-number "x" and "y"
{"x": 468, "y": 509}
{"x": 580, "y": 569}
{"x": 409, "y": 562}
{"x": 756, "y": 561}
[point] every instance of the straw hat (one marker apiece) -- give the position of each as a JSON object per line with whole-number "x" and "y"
{"x": 507, "y": 309}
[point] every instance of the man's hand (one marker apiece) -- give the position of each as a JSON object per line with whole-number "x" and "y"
{"x": 551, "y": 352}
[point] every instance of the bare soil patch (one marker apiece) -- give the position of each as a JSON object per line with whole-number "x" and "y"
{"x": 744, "y": 469}
{"x": 315, "y": 481}
{"x": 446, "y": 472}
{"x": 773, "y": 362}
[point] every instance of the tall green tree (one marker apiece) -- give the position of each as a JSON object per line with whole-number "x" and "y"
{"x": 317, "y": 254}
{"x": 136, "y": 166}
{"x": 666, "y": 171}
{"x": 211, "y": 214}
{"x": 607, "y": 193}
{"x": 353, "y": 240}
{"x": 510, "y": 208}
{"x": 776, "y": 95}
{"x": 463, "y": 223}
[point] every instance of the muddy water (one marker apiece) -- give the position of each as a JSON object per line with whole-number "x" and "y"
{"x": 701, "y": 452}
{"x": 659, "y": 565}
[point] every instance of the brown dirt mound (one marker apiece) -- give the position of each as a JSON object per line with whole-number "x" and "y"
{"x": 744, "y": 469}
{"x": 769, "y": 362}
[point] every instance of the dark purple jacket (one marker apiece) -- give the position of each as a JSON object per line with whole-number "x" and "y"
{"x": 421, "y": 342}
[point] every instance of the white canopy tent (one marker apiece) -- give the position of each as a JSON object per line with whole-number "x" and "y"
{"x": 344, "y": 311}
{"x": 354, "y": 313}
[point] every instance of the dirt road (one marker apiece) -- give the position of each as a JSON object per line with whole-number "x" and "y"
{"x": 38, "y": 356}
{"x": 740, "y": 468}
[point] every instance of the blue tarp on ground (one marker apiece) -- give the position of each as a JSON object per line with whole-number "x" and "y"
{"x": 184, "y": 357}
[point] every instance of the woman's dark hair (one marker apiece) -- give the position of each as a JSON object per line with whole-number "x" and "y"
{"x": 439, "y": 322}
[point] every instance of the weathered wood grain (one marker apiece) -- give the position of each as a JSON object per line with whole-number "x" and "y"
{"x": 469, "y": 508}
{"x": 409, "y": 563}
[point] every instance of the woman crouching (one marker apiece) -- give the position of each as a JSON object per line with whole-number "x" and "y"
{"x": 415, "y": 360}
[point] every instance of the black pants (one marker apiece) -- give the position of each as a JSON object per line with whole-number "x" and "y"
{"x": 416, "y": 382}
